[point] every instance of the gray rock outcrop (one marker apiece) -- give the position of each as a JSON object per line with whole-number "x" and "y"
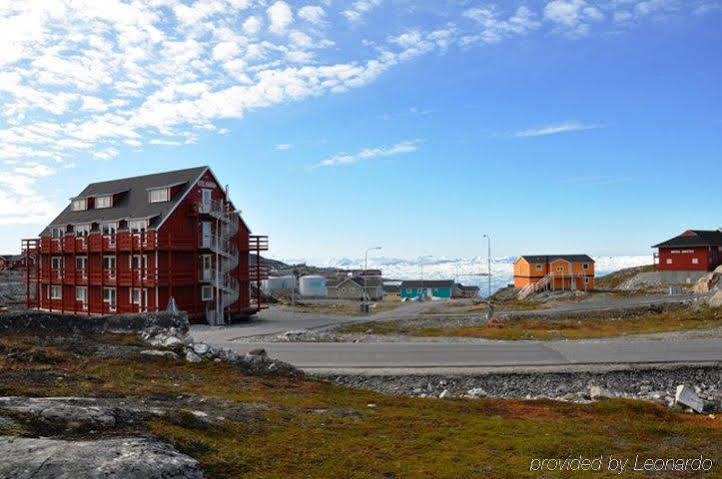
{"x": 126, "y": 458}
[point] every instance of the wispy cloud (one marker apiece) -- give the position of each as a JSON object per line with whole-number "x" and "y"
{"x": 556, "y": 129}
{"x": 407, "y": 146}
{"x": 284, "y": 146}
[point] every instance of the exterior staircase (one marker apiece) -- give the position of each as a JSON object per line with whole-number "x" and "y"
{"x": 532, "y": 288}
{"x": 226, "y": 251}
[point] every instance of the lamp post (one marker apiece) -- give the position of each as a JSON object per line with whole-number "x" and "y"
{"x": 366, "y": 267}
{"x": 218, "y": 264}
{"x": 488, "y": 262}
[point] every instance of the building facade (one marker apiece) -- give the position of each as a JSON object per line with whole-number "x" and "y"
{"x": 693, "y": 250}
{"x": 353, "y": 288}
{"x": 130, "y": 245}
{"x": 571, "y": 271}
{"x": 430, "y": 289}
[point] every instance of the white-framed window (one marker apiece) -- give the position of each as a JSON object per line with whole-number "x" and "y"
{"x": 136, "y": 264}
{"x": 206, "y": 196}
{"x": 56, "y": 262}
{"x": 207, "y": 266}
{"x": 669, "y": 260}
{"x": 81, "y": 294}
{"x": 57, "y": 233}
{"x": 109, "y": 297}
{"x": 159, "y": 195}
{"x": 109, "y": 264}
{"x": 538, "y": 267}
{"x": 82, "y": 230}
{"x": 81, "y": 263}
{"x": 134, "y": 295}
{"x": 109, "y": 229}
{"x": 586, "y": 280}
{"x": 138, "y": 226}
{"x": 80, "y": 204}
{"x": 103, "y": 202}
{"x": 56, "y": 291}
{"x": 585, "y": 266}
{"x": 206, "y": 293}
{"x": 695, "y": 260}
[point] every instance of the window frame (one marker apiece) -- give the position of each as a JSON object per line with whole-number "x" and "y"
{"x": 112, "y": 228}
{"x": 59, "y": 260}
{"x": 164, "y": 198}
{"x": 53, "y": 289}
{"x": 82, "y": 231}
{"x": 205, "y": 288}
{"x": 112, "y": 303}
{"x": 84, "y": 298}
{"x": 99, "y": 199}
{"x": 80, "y": 204}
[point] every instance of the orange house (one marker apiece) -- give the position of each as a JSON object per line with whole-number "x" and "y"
{"x": 564, "y": 271}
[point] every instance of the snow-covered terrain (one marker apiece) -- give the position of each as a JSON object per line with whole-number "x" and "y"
{"x": 467, "y": 271}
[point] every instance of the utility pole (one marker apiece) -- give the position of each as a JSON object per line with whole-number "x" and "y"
{"x": 488, "y": 262}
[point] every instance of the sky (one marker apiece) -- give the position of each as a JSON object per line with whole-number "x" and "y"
{"x": 562, "y": 126}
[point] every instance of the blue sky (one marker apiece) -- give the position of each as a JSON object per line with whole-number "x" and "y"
{"x": 555, "y": 126}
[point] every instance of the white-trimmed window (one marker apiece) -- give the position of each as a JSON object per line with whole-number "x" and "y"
{"x": 57, "y": 233}
{"x": 669, "y": 260}
{"x": 80, "y": 204}
{"x": 206, "y": 293}
{"x": 109, "y": 298}
{"x": 586, "y": 280}
{"x": 206, "y": 196}
{"x": 56, "y": 262}
{"x": 135, "y": 296}
{"x": 207, "y": 266}
{"x": 135, "y": 264}
{"x": 695, "y": 260}
{"x": 109, "y": 264}
{"x": 585, "y": 266}
{"x": 81, "y": 263}
{"x": 103, "y": 202}
{"x": 56, "y": 291}
{"x": 81, "y": 294}
{"x": 138, "y": 226}
{"x": 538, "y": 267}
{"x": 159, "y": 196}
{"x": 82, "y": 230}
{"x": 109, "y": 229}
{"x": 560, "y": 269}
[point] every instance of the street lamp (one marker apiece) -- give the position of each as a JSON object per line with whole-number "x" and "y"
{"x": 218, "y": 264}
{"x": 488, "y": 262}
{"x": 366, "y": 267}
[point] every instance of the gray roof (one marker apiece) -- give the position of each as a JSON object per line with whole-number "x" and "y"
{"x": 429, "y": 283}
{"x": 694, "y": 238}
{"x": 133, "y": 204}
{"x": 572, "y": 258}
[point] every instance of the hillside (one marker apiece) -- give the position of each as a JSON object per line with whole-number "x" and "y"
{"x": 613, "y": 280}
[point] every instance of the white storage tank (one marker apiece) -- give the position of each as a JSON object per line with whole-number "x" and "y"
{"x": 279, "y": 283}
{"x": 312, "y": 286}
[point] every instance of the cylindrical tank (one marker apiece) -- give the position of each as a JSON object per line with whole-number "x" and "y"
{"x": 278, "y": 283}
{"x": 313, "y": 286}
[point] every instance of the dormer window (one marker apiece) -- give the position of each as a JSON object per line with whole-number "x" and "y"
{"x": 103, "y": 202}
{"x": 80, "y": 204}
{"x": 82, "y": 230}
{"x": 158, "y": 196}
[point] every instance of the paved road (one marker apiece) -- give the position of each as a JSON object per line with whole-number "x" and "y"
{"x": 319, "y": 357}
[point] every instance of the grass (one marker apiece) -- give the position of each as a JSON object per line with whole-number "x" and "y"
{"x": 520, "y": 327}
{"x": 480, "y": 306}
{"x": 300, "y": 427}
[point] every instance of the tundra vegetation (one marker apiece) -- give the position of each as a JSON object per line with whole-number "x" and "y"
{"x": 241, "y": 425}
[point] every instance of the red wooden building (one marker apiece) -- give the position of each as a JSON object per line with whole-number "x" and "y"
{"x": 130, "y": 245}
{"x": 693, "y": 250}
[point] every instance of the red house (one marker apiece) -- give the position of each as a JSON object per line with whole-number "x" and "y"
{"x": 693, "y": 250}
{"x": 130, "y": 245}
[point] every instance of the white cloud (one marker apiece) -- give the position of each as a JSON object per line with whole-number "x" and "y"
{"x": 408, "y": 146}
{"x": 156, "y": 141}
{"x": 360, "y": 8}
{"x": 106, "y": 154}
{"x": 34, "y": 170}
{"x": 573, "y": 15}
{"x": 555, "y": 129}
{"x": 494, "y": 29}
{"x": 280, "y": 17}
{"x": 252, "y": 25}
{"x": 284, "y": 146}
{"x": 312, "y": 14}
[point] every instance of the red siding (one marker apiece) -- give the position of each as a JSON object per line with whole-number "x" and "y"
{"x": 685, "y": 259}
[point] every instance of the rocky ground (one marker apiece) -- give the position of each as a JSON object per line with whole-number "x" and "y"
{"x": 658, "y": 385}
{"x": 12, "y": 290}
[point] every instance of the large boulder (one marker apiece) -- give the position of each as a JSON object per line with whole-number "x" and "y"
{"x": 715, "y": 300}
{"x": 126, "y": 458}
